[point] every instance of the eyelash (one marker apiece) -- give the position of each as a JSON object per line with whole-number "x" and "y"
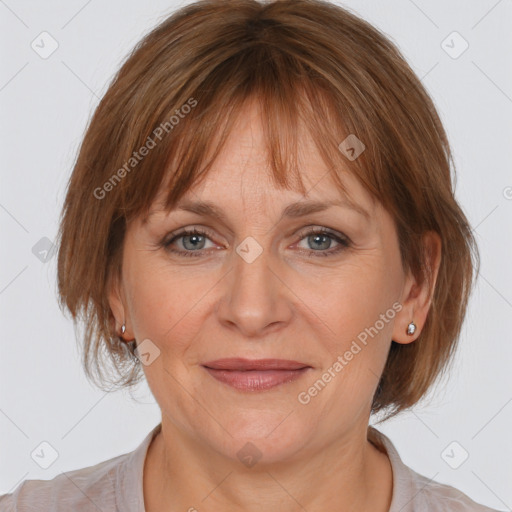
{"x": 343, "y": 242}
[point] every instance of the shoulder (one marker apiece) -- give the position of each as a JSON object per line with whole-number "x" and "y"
{"x": 413, "y": 492}
{"x": 437, "y": 497}
{"x": 87, "y": 489}
{"x": 112, "y": 485}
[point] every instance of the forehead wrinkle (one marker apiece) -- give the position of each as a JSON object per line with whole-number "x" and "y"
{"x": 297, "y": 209}
{"x": 300, "y": 208}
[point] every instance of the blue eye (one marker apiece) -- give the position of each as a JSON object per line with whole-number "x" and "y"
{"x": 319, "y": 237}
{"x": 193, "y": 241}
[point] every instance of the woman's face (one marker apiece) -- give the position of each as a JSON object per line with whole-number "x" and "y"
{"x": 257, "y": 286}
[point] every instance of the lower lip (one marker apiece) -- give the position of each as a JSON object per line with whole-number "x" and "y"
{"x": 256, "y": 380}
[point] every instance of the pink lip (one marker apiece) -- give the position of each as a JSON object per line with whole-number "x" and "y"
{"x": 256, "y": 374}
{"x": 239, "y": 363}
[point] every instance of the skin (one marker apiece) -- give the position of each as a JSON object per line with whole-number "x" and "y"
{"x": 288, "y": 303}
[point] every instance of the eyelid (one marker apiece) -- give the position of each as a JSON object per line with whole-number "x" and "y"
{"x": 341, "y": 239}
{"x": 189, "y": 230}
{"x": 306, "y": 230}
{"x": 324, "y": 229}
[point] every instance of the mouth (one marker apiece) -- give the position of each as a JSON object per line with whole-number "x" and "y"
{"x": 255, "y": 374}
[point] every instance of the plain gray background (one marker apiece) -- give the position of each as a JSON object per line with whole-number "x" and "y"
{"x": 45, "y": 105}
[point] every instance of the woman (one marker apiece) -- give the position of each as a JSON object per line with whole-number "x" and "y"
{"x": 261, "y": 222}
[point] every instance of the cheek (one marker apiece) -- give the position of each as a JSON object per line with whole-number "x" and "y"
{"x": 164, "y": 302}
{"x": 358, "y": 310}
{"x": 357, "y": 298}
{"x": 358, "y": 313}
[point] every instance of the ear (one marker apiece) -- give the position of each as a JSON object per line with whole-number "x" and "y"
{"x": 116, "y": 303}
{"x": 416, "y": 296}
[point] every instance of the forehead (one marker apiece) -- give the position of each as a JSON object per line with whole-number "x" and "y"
{"x": 241, "y": 173}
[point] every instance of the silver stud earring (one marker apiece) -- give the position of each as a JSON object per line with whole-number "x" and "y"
{"x": 123, "y": 329}
{"x": 411, "y": 329}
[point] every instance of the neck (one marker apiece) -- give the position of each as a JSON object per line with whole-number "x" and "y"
{"x": 350, "y": 474}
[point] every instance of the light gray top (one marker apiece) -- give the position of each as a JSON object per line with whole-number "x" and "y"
{"x": 115, "y": 485}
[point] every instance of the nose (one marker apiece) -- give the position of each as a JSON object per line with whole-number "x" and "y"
{"x": 256, "y": 300}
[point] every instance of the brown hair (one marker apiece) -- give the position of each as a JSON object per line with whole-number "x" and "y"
{"x": 177, "y": 95}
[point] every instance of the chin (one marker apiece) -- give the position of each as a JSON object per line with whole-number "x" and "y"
{"x": 261, "y": 437}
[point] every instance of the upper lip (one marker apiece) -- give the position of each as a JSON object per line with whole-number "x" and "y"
{"x": 238, "y": 363}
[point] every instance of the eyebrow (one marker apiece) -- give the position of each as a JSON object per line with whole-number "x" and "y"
{"x": 294, "y": 210}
